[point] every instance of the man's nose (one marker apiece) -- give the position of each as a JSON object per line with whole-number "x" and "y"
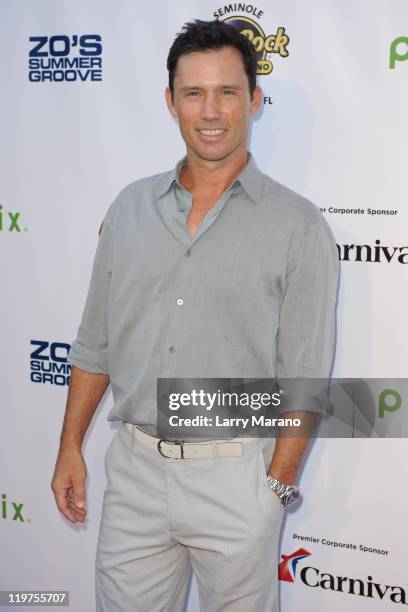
{"x": 210, "y": 109}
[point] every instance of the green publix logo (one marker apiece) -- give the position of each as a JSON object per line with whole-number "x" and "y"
{"x": 376, "y": 253}
{"x": 398, "y": 51}
{"x": 12, "y": 510}
{"x": 389, "y": 401}
{"x": 9, "y": 222}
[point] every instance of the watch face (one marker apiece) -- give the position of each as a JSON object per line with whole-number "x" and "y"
{"x": 291, "y": 497}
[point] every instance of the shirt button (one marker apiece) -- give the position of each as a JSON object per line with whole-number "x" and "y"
{"x": 171, "y": 349}
{"x": 187, "y": 253}
{"x": 180, "y": 301}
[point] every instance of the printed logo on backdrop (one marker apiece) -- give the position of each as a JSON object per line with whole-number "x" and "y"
{"x": 371, "y": 212}
{"x": 398, "y": 51}
{"x": 246, "y": 18}
{"x": 65, "y": 58}
{"x": 369, "y": 253}
{"x": 10, "y": 221}
{"x": 311, "y": 576}
{"x": 12, "y": 510}
{"x": 48, "y": 363}
{"x": 287, "y": 567}
{"x": 389, "y": 401}
{"x": 373, "y": 253}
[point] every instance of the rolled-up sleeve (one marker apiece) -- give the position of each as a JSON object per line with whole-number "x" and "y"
{"x": 89, "y": 350}
{"x": 307, "y": 322}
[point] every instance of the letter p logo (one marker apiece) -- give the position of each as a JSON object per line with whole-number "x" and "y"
{"x": 398, "y": 56}
{"x": 389, "y": 401}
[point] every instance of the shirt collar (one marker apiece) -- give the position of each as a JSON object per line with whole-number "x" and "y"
{"x": 250, "y": 178}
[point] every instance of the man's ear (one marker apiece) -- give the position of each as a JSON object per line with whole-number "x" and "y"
{"x": 256, "y": 100}
{"x": 169, "y": 103}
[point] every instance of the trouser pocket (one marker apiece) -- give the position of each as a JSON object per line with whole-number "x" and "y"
{"x": 268, "y": 499}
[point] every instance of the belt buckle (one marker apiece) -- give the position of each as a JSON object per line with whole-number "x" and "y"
{"x": 181, "y": 444}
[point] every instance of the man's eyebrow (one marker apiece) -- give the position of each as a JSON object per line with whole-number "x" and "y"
{"x": 188, "y": 87}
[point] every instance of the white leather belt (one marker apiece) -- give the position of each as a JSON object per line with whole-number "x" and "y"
{"x": 189, "y": 450}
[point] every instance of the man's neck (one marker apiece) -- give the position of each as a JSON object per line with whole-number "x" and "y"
{"x": 202, "y": 177}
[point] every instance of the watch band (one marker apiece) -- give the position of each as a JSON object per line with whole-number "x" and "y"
{"x": 287, "y": 494}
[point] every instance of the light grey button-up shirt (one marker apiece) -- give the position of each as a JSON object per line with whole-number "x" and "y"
{"x": 251, "y": 295}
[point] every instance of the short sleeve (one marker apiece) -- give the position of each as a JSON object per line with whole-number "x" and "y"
{"x": 89, "y": 350}
{"x": 307, "y": 321}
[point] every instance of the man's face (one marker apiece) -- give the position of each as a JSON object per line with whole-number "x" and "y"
{"x": 212, "y": 102}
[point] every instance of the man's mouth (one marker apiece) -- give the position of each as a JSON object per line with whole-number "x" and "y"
{"x": 212, "y": 132}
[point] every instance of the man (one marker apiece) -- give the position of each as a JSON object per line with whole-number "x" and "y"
{"x": 210, "y": 270}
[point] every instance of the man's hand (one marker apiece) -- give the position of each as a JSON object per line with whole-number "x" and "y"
{"x": 68, "y": 484}
{"x": 84, "y": 394}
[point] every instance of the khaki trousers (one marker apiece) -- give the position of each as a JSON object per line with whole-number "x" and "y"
{"x": 162, "y": 516}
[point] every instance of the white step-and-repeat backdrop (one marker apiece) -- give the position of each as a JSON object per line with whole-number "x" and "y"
{"x": 82, "y": 115}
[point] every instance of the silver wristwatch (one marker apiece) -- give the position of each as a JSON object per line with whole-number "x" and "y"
{"x": 286, "y": 493}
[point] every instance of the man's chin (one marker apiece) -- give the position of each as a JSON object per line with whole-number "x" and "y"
{"x": 212, "y": 155}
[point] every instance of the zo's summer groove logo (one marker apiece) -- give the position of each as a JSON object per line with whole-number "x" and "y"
{"x": 265, "y": 44}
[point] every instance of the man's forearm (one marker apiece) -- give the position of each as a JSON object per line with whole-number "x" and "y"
{"x": 84, "y": 394}
{"x": 289, "y": 450}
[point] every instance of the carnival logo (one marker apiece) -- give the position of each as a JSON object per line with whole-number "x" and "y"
{"x": 376, "y": 253}
{"x": 315, "y": 578}
{"x": 287, "y": 567}
{"x": 265, "y": 44}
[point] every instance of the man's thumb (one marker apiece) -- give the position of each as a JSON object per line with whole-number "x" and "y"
{"x": 79, "y": 496}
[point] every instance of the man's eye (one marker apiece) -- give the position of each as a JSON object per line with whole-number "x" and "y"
{"x": 193, "y": 93}
{"x": 228, "y": 92}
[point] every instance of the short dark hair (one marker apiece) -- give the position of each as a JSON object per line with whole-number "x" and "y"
{"x": 206, "y": 35}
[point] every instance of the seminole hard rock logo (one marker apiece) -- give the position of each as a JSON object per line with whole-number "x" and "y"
{"x": 265, "y": 44}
